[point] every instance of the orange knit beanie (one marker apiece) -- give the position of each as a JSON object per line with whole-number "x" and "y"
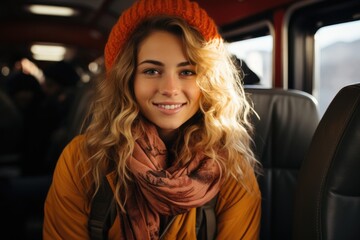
{"x": 142, "y": 9}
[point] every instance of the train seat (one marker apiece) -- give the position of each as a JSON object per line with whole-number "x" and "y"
{"x": 288, "y": 119}
{"x": 73, "y": 126}
{"x": 11, "y": 133}
{"x": 327, "y": 202}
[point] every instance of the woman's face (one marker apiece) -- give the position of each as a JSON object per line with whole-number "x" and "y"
{"x": 165, "y": 82}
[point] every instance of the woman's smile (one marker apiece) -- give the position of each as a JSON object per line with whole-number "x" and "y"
{"x": 169, "y": 108}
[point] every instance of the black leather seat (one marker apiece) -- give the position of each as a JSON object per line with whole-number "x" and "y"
{"x": 288, "y": 119}
{"x": 22, "y": 198}
{"x": 21, "y": 205}
{"x": 11, "y": 134}
{"x": 328, "y": 193}
{"x": 73, "y": 125}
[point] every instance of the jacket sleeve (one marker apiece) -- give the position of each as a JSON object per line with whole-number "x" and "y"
{"x": 66, "y": 207}
{"x": 239, "y": 209}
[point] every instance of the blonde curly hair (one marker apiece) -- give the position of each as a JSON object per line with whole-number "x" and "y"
{"x": 221, "y": 129}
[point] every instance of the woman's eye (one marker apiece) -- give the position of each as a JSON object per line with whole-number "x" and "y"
{"x": 188, "y": 73}
{"x": 151, "y": 72}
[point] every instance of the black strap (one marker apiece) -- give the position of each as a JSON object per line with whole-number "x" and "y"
{"x": 206, "y": 220}
{"x": 102, "y": 213}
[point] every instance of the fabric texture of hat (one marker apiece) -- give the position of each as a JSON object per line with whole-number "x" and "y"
{"x": 142, "y": 9}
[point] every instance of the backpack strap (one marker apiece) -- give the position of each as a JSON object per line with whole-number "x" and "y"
{"x": 103, "y": 212}
{"x": 206, "y": 220}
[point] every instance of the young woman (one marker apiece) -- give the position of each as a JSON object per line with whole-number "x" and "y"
{"x": 169, "y": 129}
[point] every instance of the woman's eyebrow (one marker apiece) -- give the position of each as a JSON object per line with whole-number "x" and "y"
{"x": 151, "y": 62}
{"x": 158, "y": 63}
{"x": 183, "y": 64}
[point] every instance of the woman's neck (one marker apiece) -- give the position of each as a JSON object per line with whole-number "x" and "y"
{"x": 167, "y": 136}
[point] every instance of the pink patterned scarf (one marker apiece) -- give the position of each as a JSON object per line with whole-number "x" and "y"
{"x": 158, "y": 190}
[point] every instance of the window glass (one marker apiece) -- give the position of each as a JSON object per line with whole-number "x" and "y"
{"x": 256, "y": 53}
{"x": 337, "y": 62}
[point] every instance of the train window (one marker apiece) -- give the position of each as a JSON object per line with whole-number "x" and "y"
{"x": 336, "y": 65}
{"x": 257, "y": 54}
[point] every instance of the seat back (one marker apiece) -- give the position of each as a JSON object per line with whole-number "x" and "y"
{"x": 22, "y": 206}
{"x": 288, "y": 119}
{"x": 74, "y": 123}
{"x": 11, "y": 134}
{"x": 328, "y": 193}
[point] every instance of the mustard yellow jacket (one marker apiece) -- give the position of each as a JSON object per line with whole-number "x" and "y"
{"x": 67, "y": 208}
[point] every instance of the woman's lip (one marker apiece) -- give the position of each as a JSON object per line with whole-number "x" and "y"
{"x": 169, "y": 108}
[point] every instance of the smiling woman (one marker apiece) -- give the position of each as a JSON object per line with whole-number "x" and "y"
{"x": 166, "y": 91}
{"x": 164, "y": 133}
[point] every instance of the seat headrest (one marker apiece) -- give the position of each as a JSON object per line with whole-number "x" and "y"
{"x": 288, "y": 119}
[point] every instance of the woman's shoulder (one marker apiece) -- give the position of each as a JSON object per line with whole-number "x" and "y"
{"x": 75, "y": 146}
{"x": 68, "y": 172}
{"x": 77, "y": 141}
{"x": 234, "y": 191}
{"x": 72, "y": 153}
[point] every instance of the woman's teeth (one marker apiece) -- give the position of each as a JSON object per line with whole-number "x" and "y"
{"x": 173, "y": 106}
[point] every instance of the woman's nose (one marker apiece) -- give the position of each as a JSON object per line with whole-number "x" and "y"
{"x": 169, "y": 85}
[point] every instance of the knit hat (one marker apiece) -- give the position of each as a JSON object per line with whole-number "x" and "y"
{"x": 142, "y": 9}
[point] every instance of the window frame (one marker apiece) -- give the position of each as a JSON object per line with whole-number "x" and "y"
{"x": 251, "y": 30}
{"x": 303, "y": 21}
